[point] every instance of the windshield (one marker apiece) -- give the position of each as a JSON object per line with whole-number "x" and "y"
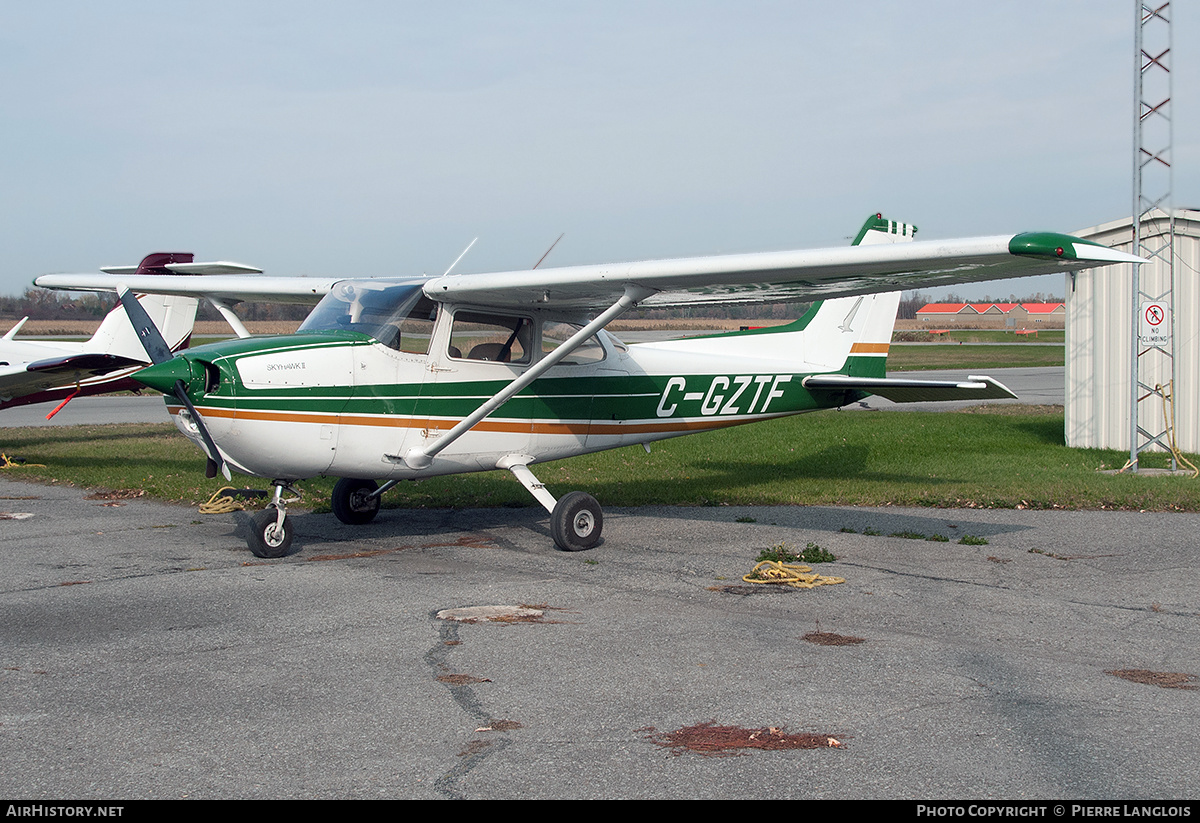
{"x": 397, "y": 316}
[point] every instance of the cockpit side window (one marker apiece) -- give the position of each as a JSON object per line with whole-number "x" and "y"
{"x": 492, "y": 337}
{"x": 400, "y": 317}
{"x": 416, "y": 328}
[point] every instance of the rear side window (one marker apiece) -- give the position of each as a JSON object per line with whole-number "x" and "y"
{"x": 555, "y": 334}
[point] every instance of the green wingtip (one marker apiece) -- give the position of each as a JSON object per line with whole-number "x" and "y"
{"x": 1049, "y": 244}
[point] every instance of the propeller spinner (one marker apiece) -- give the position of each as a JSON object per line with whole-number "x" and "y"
{"x": 168, "y": 375}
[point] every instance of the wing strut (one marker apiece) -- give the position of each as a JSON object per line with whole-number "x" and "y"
{"x": 232, "y": 319}
{"x": 421, "y": 457}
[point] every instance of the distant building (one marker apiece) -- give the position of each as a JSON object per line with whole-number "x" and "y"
{"x": 993, "y": 315}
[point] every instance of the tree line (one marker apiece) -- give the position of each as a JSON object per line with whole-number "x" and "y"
{"x": 41, "y": 304}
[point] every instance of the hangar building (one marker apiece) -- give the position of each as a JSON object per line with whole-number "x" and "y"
{"x": 1098, "y": 330}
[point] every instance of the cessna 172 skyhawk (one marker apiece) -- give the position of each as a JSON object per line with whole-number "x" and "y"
{"x": 393, "y": 379}
{"x": 39, "y": 371}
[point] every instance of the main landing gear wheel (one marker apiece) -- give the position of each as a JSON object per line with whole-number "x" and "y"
{"x": 353, "y": 503}
{"x": 269, "y": 538}
{"x": 576, "y": 522}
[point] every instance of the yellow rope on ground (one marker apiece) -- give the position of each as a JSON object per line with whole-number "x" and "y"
{"x": 1167, "y": 393}
{"x": 785, "y": 574}
{"x": 223, "y": 501}
{"x": 1168, "y": 416}
{"x": 7, "y": 463}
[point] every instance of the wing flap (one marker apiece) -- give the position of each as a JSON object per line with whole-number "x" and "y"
{"x": 898, "y": 390}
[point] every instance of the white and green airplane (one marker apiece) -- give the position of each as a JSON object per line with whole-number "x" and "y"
{"x": 393, "y": 379}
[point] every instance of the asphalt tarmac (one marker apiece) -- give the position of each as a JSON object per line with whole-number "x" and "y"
{"x": 145, "y": 654}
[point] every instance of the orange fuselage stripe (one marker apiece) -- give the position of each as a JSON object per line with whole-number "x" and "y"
{"x": 869, "y": 348}
{"x": 523, "y": 427}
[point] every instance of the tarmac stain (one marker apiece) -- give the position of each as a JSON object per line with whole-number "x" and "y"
{"x": 474, "y": 747}
{"x": 461, "y": 679}
{"x": 470, "y": 541}
{"x": 831, "y": 639}
{"x": 500, "y": 726}
{"x": 1166, "y": 680}
{"x": 745, "y": 591}
{"x": 712, "y": 740}
{"x": 119, "y": 494}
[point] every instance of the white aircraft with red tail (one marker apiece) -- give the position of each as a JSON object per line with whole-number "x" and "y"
{"x": 40, "y": 371}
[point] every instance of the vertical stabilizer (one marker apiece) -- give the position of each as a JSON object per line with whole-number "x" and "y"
{"x": 850, "y": 335}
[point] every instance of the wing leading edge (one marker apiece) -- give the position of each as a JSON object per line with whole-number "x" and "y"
{"x": 785, "y": 276}
{"x": 746, "y": 278}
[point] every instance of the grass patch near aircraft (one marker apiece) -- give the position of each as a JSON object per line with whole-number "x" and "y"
{"x": 1001, "y": 457}
{"x": 980, "y": 357}
{"x": 954, "y": 336}
{"x": 783, "y": 553}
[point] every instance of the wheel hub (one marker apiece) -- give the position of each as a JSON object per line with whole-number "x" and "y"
{"x": 584, "y": 523}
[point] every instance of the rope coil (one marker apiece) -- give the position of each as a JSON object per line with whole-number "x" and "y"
{"x": 786, "y": 574}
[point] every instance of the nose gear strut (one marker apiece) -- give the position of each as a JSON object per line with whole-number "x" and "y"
{"x": 272, "y": 532}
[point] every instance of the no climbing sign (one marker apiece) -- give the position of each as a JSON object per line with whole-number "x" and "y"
{"x": 1155, "y": 328}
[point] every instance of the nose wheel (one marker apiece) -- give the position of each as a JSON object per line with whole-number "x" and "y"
{"x": 271, "y": 534}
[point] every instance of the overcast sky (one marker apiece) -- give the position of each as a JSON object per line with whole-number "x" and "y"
{"x": 373, "y": 138}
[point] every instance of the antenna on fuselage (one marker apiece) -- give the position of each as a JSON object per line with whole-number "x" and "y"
{"x": 460, "y": 257}
{"x": 547, "y": 254}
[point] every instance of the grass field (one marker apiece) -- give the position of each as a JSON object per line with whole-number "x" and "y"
{"x": 1006, "y": 456}
{"x": 951, "y": 356}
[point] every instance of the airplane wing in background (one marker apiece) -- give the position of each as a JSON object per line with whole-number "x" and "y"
{"x": 26, "y": 378}
{"x": 225, "y": 287}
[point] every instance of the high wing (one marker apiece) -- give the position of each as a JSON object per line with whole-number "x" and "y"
{"x": 773, "y": 277}
{"x": 766, "y": 277}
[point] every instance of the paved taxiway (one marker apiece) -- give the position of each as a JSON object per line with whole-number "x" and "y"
{"x": 144, "y": 653}
{"x": 1032, "y": 385}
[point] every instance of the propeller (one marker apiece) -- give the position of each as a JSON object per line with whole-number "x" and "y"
{"x": 159, "y": 352}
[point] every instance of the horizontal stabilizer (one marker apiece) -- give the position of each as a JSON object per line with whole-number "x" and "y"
{"x": 975, "y": 387}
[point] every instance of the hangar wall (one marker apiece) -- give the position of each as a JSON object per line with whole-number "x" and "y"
{"x": 1099, "y": 307}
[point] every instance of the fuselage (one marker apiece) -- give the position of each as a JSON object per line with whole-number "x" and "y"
{"x": 336, "y": 399}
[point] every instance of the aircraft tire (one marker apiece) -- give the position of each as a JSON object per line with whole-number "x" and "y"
{"x": 350, "y": 502}
{"x": 576, "y": 522}
{"x": 268, "y": 540}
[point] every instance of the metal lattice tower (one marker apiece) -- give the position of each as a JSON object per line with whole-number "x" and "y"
{"x": 1152, "y": 363}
